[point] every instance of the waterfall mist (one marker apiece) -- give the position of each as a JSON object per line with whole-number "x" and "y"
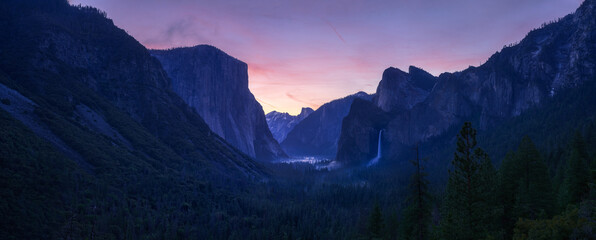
{"x": 375, "y": 160}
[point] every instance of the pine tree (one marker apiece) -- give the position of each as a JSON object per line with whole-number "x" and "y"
{"x": 415, "y": 224}
{"x": 508, "y": 174}
{"x": 575, "y": 186}
{"x": 488, "y": 208}
{"x": 375, "y": 223}
{"x": 470, "y": 191}
{"x": 534, "y": 192}
{"x": 392, "y": 225}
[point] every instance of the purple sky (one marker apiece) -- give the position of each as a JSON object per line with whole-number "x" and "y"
{"x": 308, "y": 52}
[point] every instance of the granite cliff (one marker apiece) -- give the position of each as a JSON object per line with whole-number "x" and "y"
{"x": 216, "y": 86}
{"x": 317, "y": 135}
{"x": 556, "y": 56}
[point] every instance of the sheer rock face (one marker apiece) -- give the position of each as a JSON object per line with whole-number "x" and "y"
{"x": 360, "y": 132}
{"x": 556, "y": 56}
{"x": 216, "y": 86}
{"x": 317, "y": 135}
{"x": 281, "y": 124}
{"x": 401, "y": 91}
{"x": 83, "y": 69}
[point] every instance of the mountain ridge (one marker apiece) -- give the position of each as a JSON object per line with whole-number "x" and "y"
{"x": 216, "y": 86}
{"x": 317, "y": 134}
{"x": 555, "y": 56}
{"x": 281, "y": 124}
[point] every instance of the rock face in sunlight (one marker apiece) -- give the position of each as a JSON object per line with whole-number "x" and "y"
{"x": 317, "y": 135}
{"x": 281, "y": 124}
{"x": 216, "y": 86}
{"x": 556, "y": 56}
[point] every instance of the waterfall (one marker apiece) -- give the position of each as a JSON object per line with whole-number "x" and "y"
{"x": 376, "y": 159}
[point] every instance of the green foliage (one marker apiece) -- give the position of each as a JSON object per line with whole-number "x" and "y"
{"x": 534, "y": 192}
{"x": 575, "y": 187}
{"x": 176, "y": 180}
{"x": 574, "y": 223}
{"x": 508, "y": 184}
{"x": 392, "y": 225}
{"x": 173, "y": 179}
{"x": 416, "y": 215}
{"x": 524, "y": 188}
{"x": 550, "y": 125}
{"x": 39, "y": 185}
{"x": 467, "y": 211}
{"x": 375, "y": 223}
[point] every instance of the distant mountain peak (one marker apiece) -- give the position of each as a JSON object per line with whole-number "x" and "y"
{"x": 393, "y": 71}
{"x": 399, "y": 90}
{"x": 417, "y": 70}
{"x": 305, "y": 111}
{"x": 280, "y": 124}
{"x": 422, "y": 79}
{"x": 360, "y": 94}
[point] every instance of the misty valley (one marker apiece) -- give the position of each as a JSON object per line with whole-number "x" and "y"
{"x": 102, "y": 137}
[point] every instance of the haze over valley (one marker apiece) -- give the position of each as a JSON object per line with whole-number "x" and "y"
{"x": 297, "y": 120}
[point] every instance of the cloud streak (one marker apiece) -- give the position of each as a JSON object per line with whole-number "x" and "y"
{"x": 308, "y": 103}
{"x": 336, "y": 33}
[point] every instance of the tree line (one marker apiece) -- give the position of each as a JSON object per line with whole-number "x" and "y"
{"x": 520, "y": 200}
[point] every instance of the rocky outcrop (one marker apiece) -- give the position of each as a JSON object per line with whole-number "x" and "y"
{"x": 558, "y": 55}
{"x": 360, "y": 131}
{"x": 216, "y": 86}
{"x": 400, "y": 91}
{"x": 93, "y": 84}
{"x": 317, "y": 135}
{"x": 281, "y": 124}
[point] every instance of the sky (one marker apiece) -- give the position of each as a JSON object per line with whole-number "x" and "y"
{"x": 306, "y": 53}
